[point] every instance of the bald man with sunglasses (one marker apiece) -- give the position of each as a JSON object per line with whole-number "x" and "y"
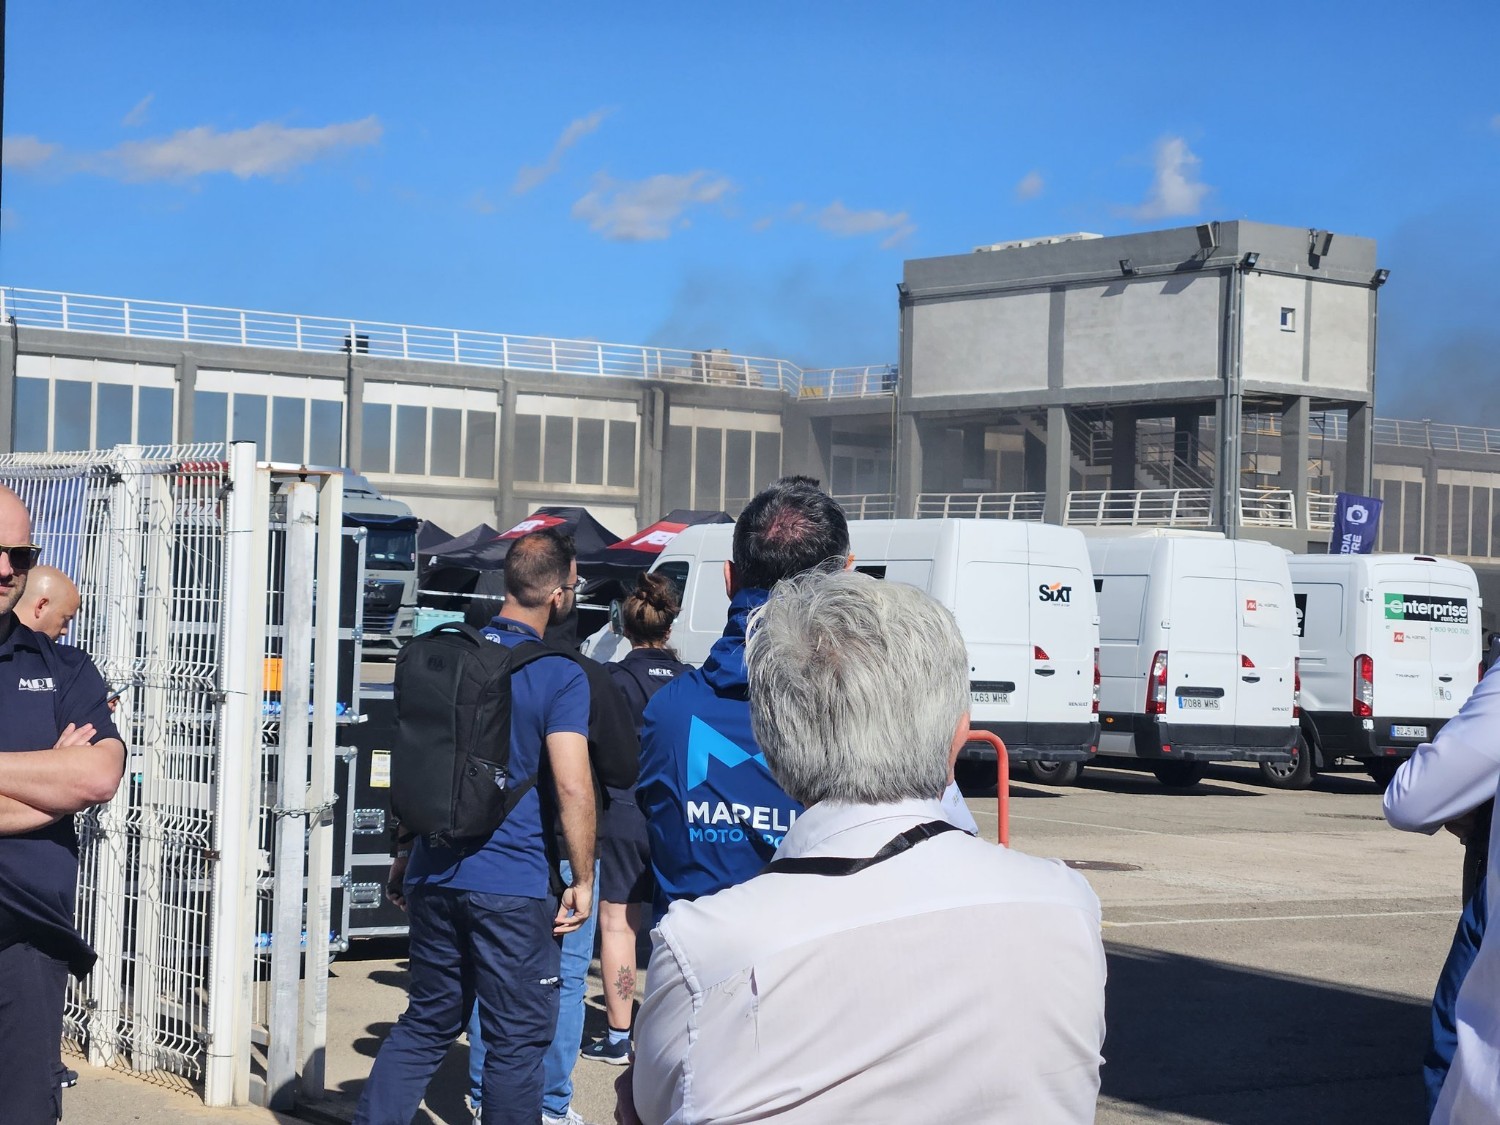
{"x": 59, "y": 754}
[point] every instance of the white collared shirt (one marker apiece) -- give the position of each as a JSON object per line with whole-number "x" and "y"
{"x": 958, "y": 981}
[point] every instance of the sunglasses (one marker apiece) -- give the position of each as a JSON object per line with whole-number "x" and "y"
{"x": 23, "y": 556}
{"x": 574, "y": 586}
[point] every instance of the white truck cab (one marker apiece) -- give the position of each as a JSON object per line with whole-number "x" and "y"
{"x": 1391, "y": 648}
{"x": 1198, "y": 649}
{"x": 1024, "y": 600}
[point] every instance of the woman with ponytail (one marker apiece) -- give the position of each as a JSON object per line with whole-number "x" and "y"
{"x": 625, "y": 884}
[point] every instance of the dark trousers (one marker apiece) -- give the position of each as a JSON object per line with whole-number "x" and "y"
{"x": 467, "y": 945}
{"x": 32, "y": 987}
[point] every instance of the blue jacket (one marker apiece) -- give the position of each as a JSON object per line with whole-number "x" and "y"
{"x": 714, "y": 813}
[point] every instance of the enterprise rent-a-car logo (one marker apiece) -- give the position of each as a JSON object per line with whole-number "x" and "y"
{"x": 1426, "y": 607}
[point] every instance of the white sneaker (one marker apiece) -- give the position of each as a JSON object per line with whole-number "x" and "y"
{"x": 570, "y": 1118}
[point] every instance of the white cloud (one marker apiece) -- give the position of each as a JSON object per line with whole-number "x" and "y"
{"x": 838, "y": 220}
{"x": 1030, "y": 186}
{"x": 646, "y": 210}
{"x": 137, "y": 114}
{"x": 1176, "y": 189}
{"x": 25, "y": 151}
{"x": 532, "y": 175}
{"x": 266, "y": 149}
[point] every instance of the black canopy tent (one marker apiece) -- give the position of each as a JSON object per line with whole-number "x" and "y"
{"x": 623, "y": 560}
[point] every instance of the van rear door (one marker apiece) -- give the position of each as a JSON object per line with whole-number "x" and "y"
{"x": 1455, "y": 644}
{"x": 1203, "y": 663}
{"x": 1267, "y": 631}
{"x": 1402, "y": 640}
{"x": 996, "y": 626}
{"x": 1063, "y": 609}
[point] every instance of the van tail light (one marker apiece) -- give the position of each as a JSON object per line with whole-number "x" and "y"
{"x": 1296, "y": 687}
{"x": 1364, "y": 687}
{"x": 1039, "y": 653}
{"x": 1156, "y": 685}
{"x": 1096, "y": 679}
{"x": 1246, "y": 662}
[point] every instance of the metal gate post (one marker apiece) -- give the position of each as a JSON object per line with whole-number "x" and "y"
{"x": 106, "y": 982}
{"x": 320, "y": 796}
{"x": 242, "y": 648}
{"x": 290, "y": 870}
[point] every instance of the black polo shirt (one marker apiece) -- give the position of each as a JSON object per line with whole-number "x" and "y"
{"x": 43, "y": 688}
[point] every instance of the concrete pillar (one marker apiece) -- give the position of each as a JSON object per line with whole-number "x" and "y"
{"x": 505, "y": 497}
{"x": 973, "y": 464}
{"x": 1295, "y": 421}
{"x": 1360, "y": 447}
{"x": 910, "y": 468}
{"x": 1059, "y": 446}
{"x": 354, "y": 413}
{"x": 8, "y": 350}
{"x": 1122, "y": 451}
{"x": 806, "y": 444}
{"x": 653, "y": 414}
{"x": 187, "y": 399}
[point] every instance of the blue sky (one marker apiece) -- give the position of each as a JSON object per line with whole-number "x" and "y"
{"x": 691, "y": 175}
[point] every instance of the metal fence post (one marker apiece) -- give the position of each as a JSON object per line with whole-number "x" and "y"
{"x": 106, "y": 982}
{"x": 291, "y": 772}
{"x": 320, "y": 782}
{"x": 226, "y": 1076}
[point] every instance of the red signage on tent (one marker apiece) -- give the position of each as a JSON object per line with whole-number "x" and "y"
{"x": 652, "y": 539}
{"x": 534, "y": 522}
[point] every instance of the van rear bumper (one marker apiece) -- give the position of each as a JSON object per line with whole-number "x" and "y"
{"x": 1205, "y": 742}
{"x": 1343, "y": 735}
{"x": 1037, "y": 742}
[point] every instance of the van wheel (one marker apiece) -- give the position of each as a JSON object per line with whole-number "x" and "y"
{"x": 1054, "y": 773}
{"x": 1179, "y": 775}
{"x": 1296, "y": 774}
{"x": 1382, "y": 770}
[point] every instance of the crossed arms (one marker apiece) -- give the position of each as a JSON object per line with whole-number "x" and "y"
{"x": 40, "y": 787}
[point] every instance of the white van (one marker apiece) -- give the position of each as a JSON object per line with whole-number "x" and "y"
{"x": 1197, "y": 650}
{"x": 1024, "y": 600}
{"x": 1391, "y": 647}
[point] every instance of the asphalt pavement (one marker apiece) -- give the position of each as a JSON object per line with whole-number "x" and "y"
{"x": 1271, "y": 960}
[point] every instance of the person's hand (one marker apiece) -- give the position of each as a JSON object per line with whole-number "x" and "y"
{"x": 1463, "y": 826}
{"x": 75, "y": 736}
{"x": 573, "y": 908}
{"x": 625, "y": 1113}
{"x": 395, "y": 880}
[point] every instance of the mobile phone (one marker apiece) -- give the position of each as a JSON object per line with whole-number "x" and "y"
{"x": 114, "y": 696}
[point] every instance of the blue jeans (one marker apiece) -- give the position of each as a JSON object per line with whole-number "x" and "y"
{"x": 1461, "y": 956}
{"x": 467, "y": 945}
{"x": 562, "y": 1052}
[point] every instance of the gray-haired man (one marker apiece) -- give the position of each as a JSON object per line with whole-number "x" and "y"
{"x": 854, "y": 980}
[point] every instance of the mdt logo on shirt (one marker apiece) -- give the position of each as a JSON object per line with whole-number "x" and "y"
{"x": 41, "y": 683}
{"x": 720, "y": 822}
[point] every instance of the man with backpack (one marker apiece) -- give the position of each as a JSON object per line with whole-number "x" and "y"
{"x": 487, "y": 914}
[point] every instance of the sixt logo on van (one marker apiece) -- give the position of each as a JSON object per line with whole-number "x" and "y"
{"x": 1056, "y": 592}
{"x": 1424, "y": 607}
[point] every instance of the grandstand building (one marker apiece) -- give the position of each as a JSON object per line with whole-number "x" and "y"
{"x": 1218, "y": 376}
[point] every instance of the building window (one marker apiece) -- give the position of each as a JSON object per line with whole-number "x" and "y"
{"x": 622, "y": 459}
{"x": 249, "y": 420}
{"x": 590, "y": 451}
{"x": 479, "y": 451}
{"x": 411, "y": 440}
{"x": 447, "y": 441}
{"x": 528, "y": 453}
{"x": 154, "y": 421}
{"x": 287, "y": 423}
{"x": 33, "y": 420}
{"x": 325, "y": 444}
{"x": 376, "y": 442}
{"x": 557, "y": 450}
{"x": 1288, "y": 320}
{"x": 72, "y": 415}
{"x": 116, "y": 413}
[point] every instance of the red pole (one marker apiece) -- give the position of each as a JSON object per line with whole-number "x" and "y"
{"x": 1002, "y": 780}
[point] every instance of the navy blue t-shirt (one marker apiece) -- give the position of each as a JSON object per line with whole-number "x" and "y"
{"x": 43, "y": 688}
{"x": 548, "y": 696}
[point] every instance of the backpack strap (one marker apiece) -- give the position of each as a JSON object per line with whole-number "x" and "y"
{"x": 838, "y": 865}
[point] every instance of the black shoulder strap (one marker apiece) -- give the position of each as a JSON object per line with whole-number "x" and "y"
{"x": 839, "y": 865}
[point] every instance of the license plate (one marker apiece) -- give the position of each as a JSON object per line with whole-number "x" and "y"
{"x": 989, "y": 697}
{"x": 1399, "y": 731}
{"x": 1197, "y": 703}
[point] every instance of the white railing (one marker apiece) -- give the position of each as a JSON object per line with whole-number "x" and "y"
{"x": 155, "y": 320}
{"x": 876, "y": 380}
{"x": 1320, "y": 510}
{"x": 868, "y": 506}
{"x": 1173, "y": 507}
{"x": 1028, "y": 506}
{"x": 1392, "y": 431}
{"x": 1268, "y": 507}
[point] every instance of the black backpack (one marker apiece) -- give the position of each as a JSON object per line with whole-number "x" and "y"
{"x": 450, "y": 765}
